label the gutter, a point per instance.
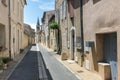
(9, 23)
(82, 33)
(81, 26)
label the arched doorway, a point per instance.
(72, 42)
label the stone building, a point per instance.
(29, 36)
(68, 17)
(52, 34)
(16, 15)
(4, 29)
(45, 21)
(42, 35)
(101, 20)
(38, 31)
(91, 27)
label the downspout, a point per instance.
(9, 23)
(82, 33)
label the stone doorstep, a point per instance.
(6, 73)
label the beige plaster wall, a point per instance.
(4, 21)
(101, 16)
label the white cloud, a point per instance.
(33, 26)
(35, 0)
(47, 6)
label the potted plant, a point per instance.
(1, 66)
(53, 25)
(6, 61)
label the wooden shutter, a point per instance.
(71, 8)
(64, 8)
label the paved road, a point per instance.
(56, 69)
(28, 67)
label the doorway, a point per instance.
(72, 44)
(110, 53)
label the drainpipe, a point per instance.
(82, 34)
(9, 23)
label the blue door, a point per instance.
(110, 53)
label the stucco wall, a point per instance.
(100, 16)
(16, 26)
(25, 42)
(4, 21)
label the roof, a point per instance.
(25, 2)
(46, 13)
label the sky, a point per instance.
(35, 9)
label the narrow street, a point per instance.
(27, 69)
(57, 70)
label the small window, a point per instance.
(64, 6)
(4, 2)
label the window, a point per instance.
(13, 5)
(61, 12)
(64, 11)
(4, 2)
(18, 10)
(56, 16)
(71, 8)
(2, 36)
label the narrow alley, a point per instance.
(28, 68)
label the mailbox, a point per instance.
(88, 45)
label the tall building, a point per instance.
(45, 22)
(67, 15)
(38, 31)
(38, 25)
(16, 15)
(4, 28)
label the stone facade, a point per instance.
(52, 34)
(17, 27)
(38, 31)
(4, 29)
(45, 22)
(100, 23)
(69, 26)
(29, 36)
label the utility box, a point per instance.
(88, 45)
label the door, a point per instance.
(110, 53)
(73, 44)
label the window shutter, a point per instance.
(71, 8)
(4, 2)
(61, 12)
(64, 8)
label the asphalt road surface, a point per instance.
(57, 70)
(28, 67)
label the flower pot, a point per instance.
(5, 66)
(1, 71)
(9, 63)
